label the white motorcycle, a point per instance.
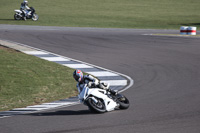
(100, 101)
(19, 14)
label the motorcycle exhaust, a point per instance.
(95, 100)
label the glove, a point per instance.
(91, 84)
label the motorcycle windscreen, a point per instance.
(83, 93)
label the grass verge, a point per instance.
(154, 14)
(27, 80)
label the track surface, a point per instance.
(164, 98)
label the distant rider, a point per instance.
(25, 8)
(91, 82)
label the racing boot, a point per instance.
(24, 16)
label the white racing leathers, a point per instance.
(91, 82)
(25, 9)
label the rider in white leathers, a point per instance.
(91, 82)
(24, 7)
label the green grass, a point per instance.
(27, 80)
(154, 14)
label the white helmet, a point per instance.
(26, 2)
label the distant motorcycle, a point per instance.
(100, 101)
(19, 15)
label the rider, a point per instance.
(25, 8)
(91, 82)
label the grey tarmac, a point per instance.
(164, 97)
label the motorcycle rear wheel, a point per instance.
(96, 107)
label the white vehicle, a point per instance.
(19, 15)
(100, 101)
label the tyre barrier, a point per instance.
(188, 30)
(192, 30)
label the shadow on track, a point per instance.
(63, 112)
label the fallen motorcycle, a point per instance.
(100, 101)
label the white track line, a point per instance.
(43, 106)
(28, 109)
(102, 73)
(1, 117)
(55, 58)
(116, 82)
(76, 66)
(35, 52)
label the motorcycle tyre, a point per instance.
(123, 104)
(35, 18)
(17, 17)
(95, 109)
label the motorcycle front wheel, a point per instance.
(98, 107)
(123, 102)
(35, 17)
(17, 17)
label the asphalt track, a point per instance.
(165, 96)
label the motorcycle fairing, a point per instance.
(109, 103)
